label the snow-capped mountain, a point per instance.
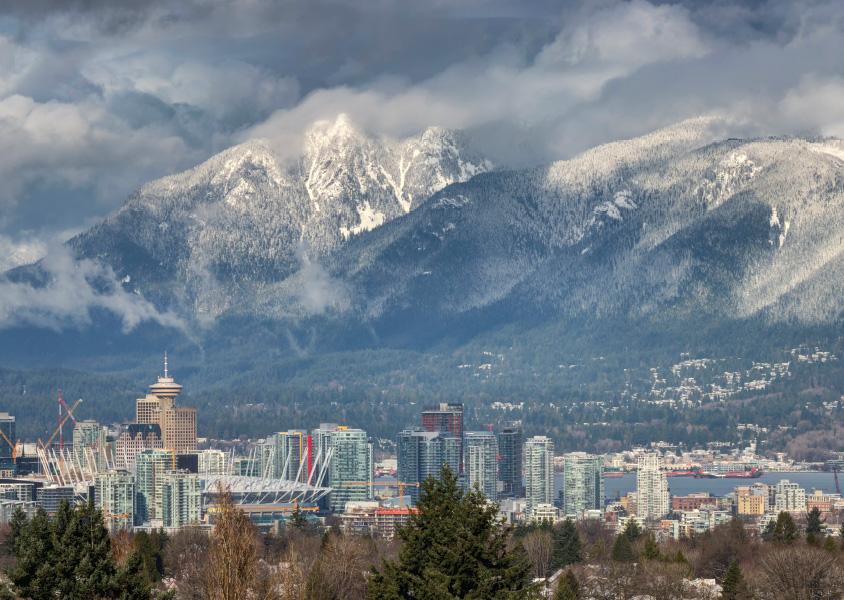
(209, 238)
(416, 241)
(670, 227)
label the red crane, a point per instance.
(62, 418)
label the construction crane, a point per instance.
(12, 445)
(62, 421)
(373, 484)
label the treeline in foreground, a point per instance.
(455, 547)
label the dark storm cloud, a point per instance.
(98, 96)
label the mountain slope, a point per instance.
(661, 228)
(209, 238)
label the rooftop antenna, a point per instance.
(165, 364)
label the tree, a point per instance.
(297, 519)
(538, 546)
(622, 550)
(733, 586)
(632, 531)
(233, 554)
(17, 524)
(768, 532)
(814, 524)
(785, 531)
(453, 547)
(34, 575)
(568, 588)
(789, 573)
(651, 550)
(567, 547)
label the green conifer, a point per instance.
(454, 547)
(568, 588)
(567, 549)
(622, 550)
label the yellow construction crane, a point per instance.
(12, 445)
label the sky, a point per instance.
(100, 96)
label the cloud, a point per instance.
(16, 253)
(71, 290)
(97, 97)
(316, 292)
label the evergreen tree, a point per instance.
(814, 524)
(133, 579)
(17, 524)
(568, 588)
(567, 548)
(651, 550)
(622, 550)
(95, 573)
(680, 558)
(785, 531)
(733, 587)
(632, 531)
(453, 547)
(768, 532)
(297, 519)
(829, 544)
(34, 573)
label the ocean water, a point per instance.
(681, 486)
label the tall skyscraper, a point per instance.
(7, 426)
(539, 471)
(510, 448)
(446, 417)
(652, 499)
(151, 467)
(422, 454)
(292, 455)
(114, 495)
(89, 444)
(583, 487)
(481, 458)
(351, 467)
(321, 452)
(181, 499)
(178, 423)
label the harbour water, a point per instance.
(615, 487)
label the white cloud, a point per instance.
(72, 290)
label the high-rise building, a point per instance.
(212, 462)
(351, 467)
(50, 497)
(446, 417)
(89, 445)
(151, 467)
(481, 458)
(114, 495)
(583, 487)
(177, 423)
(292, 455)
(321, 452)
(423, 454)
(510, 447)
(136, 437)
(789, 497)
(652, 498)
(7, 426)
(539, 472)
(181, 499)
